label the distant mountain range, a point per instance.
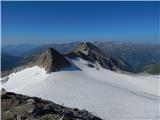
(8, 61)
(134, 54)
(137, 55)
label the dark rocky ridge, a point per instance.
(90, 52)
(20, 107)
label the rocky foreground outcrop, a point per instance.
(20, 107)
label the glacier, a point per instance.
(106, 94)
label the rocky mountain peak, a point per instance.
(51, 60)
(51, 50)
(85, 48)
(93, 54)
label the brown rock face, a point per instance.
(51, 60)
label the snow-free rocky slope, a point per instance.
(87, 84)
(20, 107)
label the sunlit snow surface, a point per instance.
(109, 95)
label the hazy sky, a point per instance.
(56, 22)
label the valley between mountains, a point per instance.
(87, 78)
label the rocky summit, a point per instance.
(50, 59)
(20, 107)
(92, 53)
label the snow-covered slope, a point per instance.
(107, 94)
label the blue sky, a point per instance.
(57, 22)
